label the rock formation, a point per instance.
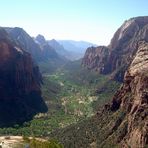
(52, 59)
(94, 58)
(120, 51)
(20, 79)
(132, 98)
(48, 52)
(60, 49)
(24, 40)
(40, 39)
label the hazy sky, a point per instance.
(90, 20)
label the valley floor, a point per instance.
(72, 94)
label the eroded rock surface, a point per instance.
(20, 94)
(121, 49)
(133, 99)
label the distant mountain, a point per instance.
(24, 40)
(20, 79)
(48, 52)
(40, 50)
(76, 48)
(59, 48)
(43, 54)
(71, 50)
(39, 39)
(52, 58)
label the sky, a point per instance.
(90, 20)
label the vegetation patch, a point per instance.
(72, 94)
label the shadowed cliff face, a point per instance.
(121, 50)
(20, 95)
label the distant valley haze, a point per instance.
(79, 20)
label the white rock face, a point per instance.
(19, 50)
(124, 27)
(140, 62)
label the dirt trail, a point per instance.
(10, 141)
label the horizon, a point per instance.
(80, 20)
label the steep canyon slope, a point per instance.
(132, 97)
(20, 79)
(117, 56)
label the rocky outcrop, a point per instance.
(60, 49)
(122, 48)
(24, 40)
(51, 58)
(40, 39)
(48, 52)
(20, 79)
(132, 97)
(94, 58)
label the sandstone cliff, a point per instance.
(119, 54)
(132, 98)
(20, 94)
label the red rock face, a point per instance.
(20, 93)
(14, 58)
(133, 99)
(121, 50)
(94, 58)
